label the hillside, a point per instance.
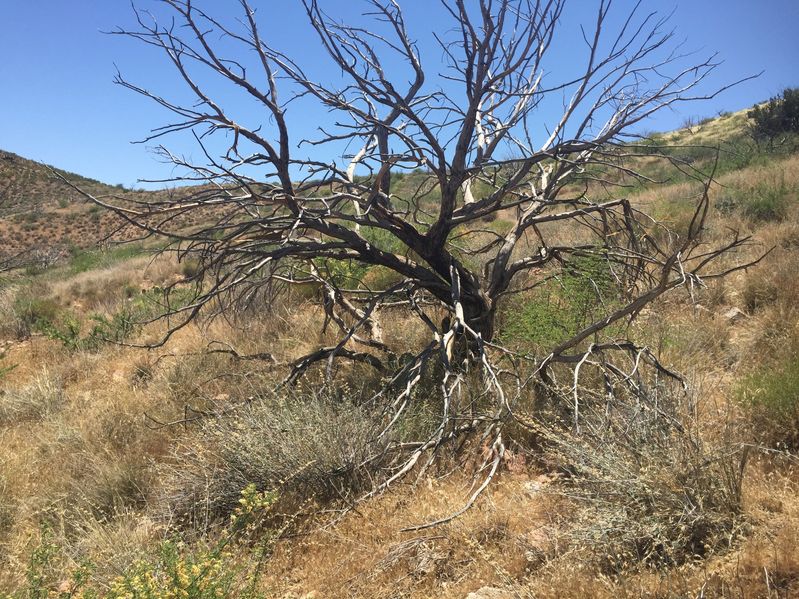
(29, 186)
(38, 212)
(42, 216)
(126, 470)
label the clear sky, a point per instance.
(58, 104)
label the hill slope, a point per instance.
(40, 212)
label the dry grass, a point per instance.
(104, 289)
(37, 400)
(711, 131)
(366, 554)
(77, 453)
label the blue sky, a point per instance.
(58, 104)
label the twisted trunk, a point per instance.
(479, 313)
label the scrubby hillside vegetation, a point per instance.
(179, 471)
(43, 221)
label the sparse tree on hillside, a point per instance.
(778, 117)
(468, 193)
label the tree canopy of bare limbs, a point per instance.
(473, 122)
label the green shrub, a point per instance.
(779, 115)
(767, 202)
(32, 311)
(177, 573)
(538, 321)
(217, 572)
(190, 268)
(115, 329)
(556, 311)
(45, 576)
(227, 568)
(68, 330)
(86, 260)
(346, 274)
(382, 239)
(771, 398)
(65, 327)
(727, 204)
(379, 278)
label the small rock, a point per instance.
(734, 315)
(538, 484)
(532, 487)
(65, 587)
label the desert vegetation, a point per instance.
(124, 468)
(429, 371)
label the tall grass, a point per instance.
(770, 396)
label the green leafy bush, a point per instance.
(767, 201)
(45, 576)
(556, 311)
(177, 573)
(64, 326)
(191, 268)
(68, 330)
(382, 239)
(779, 115)
(346, 274)
(227, 568)
(86, 260)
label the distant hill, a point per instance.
(27, 185)
(39, 212)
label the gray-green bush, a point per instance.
(648, 489)
(314, 446)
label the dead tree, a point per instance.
(474, 130)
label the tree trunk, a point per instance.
(479, 313)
